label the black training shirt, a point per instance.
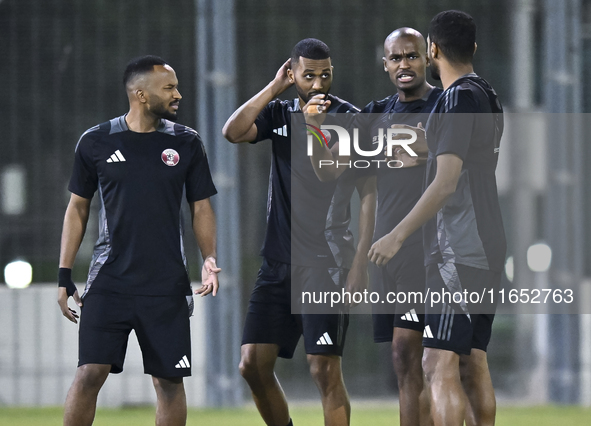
(140, 179)
(398, 190)
(467, 121)
(309, 214)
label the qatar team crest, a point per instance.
(170, 157)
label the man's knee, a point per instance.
(325, 370)
(168, 387)
(439, 364)
(92, 376)
(406, 354)
(256, 362)
(247, 367)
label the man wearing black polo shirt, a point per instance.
(142, 164)
(398, 190)
(463, 231)
(299, 246)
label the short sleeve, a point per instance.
(84, 178)
(456, 123)
(199, 183)
(264, 123)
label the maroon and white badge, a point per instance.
(170, 157)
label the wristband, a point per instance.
(64, 279)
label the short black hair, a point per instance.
(454, 32)
(140, 66)
(310, 48)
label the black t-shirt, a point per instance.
(398, 189)
(467, 121)
(140, 178)
(296, 232)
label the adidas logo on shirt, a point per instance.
(281, 131)
(324, 340)
(116, 157)
(183, 363)
(427, 333)
(410, 316)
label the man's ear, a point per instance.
(384, 61)
(141, 96)
(475, 47)
(290, 75)
(434, 50)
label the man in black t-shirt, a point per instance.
(318, 256)
(141, 164)
(464, 236)
(398, 190)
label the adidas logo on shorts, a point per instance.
(324, 340)
(427, 333)
(410, 316)
(183, 363)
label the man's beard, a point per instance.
(162, 112)
(435, 71)
(307, 96)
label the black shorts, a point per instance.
(404, 273)
(269, 318)
(161, 324)
(460, 327)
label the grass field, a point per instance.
(370, 415)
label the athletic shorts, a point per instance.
(269, 318)
(404, 273)
(460, 327)
(161, 324)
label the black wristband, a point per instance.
(64, 279)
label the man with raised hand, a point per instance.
(322, 252)
(464, 238)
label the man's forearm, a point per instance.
(204, 228)
(367, 193)
(75, 221)
(241, 121)
(432, 200)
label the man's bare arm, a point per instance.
(449, 167)
(357, 280)
(74, 228)
(204, 228)
(240, 127)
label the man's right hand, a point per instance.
(65, 290)
(281, 82)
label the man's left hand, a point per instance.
(209, 277)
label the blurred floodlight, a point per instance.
(539, 257)
(18, 274)
(509, 268)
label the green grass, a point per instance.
(370, 415)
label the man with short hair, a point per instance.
(141, 163)
(464, 239)
(398, 189)
(300, 248)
